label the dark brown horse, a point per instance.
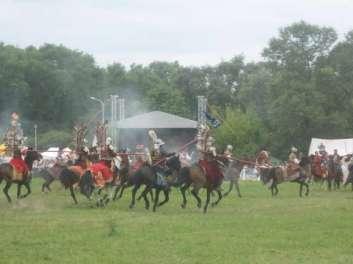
(197, 177)
(10, 176)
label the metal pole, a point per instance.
(103, 116)
(35, 137)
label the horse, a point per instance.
(231, 171)
(145, 174)
(272, 176)
(51, 174)
(82, 175)
(205, 174)
(10, 175)
(334, 174)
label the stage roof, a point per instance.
(155, 119)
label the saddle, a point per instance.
(286, 173)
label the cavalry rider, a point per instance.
(158, 157)
(19, 164)
(208, 159)
(293, 158)
(337, 160)
(293, 161)
(103, 170)
(323, 153)
(263, 159)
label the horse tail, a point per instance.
(68, 178)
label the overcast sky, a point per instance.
(194, 32)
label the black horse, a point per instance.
(152, 177)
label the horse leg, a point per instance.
(276, 188)
(231, 183)
(156, 199)
(194, 192)
(117, 189)
(207, 201)
(272, 192)
(26, 184)
(151, 193)
(166, 197)
(219, 198)
(6, 189)
(307, 188)
(141, 195)
(144, 194)
(133, 195)
(329, 184)
(300, 188)
(182, 190)
(19, 190)
(236, 183)
(73, 194)
(48, 183)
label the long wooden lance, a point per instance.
(179, 150)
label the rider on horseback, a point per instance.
(158, 157)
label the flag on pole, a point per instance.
(214, 122)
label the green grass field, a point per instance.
(49, 228)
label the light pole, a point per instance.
(102, 104)
(35, 137)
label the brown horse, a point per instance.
(197, 177)
(81, 175)
(272, 176)
(9, 174)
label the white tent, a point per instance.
(50, 154)
(343, 146)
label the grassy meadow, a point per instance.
(49, 228)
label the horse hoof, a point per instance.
(183, 206)
(131, 206)
(199, 205)
(213, 204)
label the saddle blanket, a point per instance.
(213, 173)
(101, 174)
(20, 169)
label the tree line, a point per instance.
(302, 88)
